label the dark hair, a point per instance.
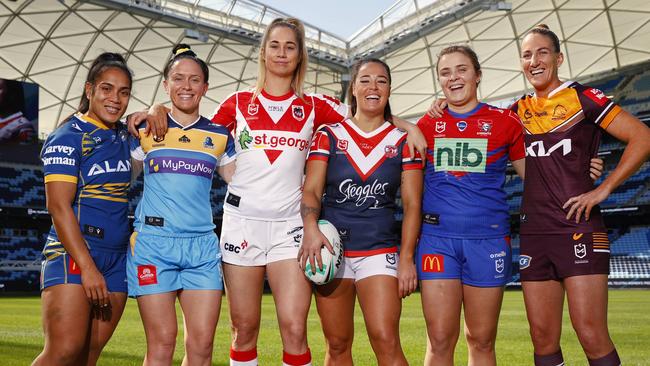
(544, 30)
(181, 51)
(104, 61)
(465, 50)
(13, 99)
(352, 100)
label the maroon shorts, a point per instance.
(557, 256)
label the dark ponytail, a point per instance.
(104, 61)
(181, 51)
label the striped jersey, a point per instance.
(178, 172)
(467, 155)
(562, 134)
(96, 159)
(363, 176)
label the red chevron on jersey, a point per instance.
(369, 150)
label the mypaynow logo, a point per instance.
(181, 166)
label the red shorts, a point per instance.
(557, 256)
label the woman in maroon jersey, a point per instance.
(564, 245)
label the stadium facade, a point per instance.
(52, 42)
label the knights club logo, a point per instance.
(298, 112)
(390, 151)
(253, 108)
(484, 126)
(580, 250)
(440, 126)
(342, 145)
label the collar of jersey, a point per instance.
(277, 98)
(557, 90)
(85, 118)
(467, 114)
(180, 125)
(362, 133)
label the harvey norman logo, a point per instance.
(461, 154)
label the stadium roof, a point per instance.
(52, 42)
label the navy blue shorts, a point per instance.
(58, 267)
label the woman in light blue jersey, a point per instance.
(174, 250)
(87, 174)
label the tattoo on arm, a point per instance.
(306, 211)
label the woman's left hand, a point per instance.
(582, 204)
(407, 278)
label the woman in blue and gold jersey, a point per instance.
(174, 250)
(562, 253)
(87, 174)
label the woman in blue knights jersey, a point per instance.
(174, 250)
(360, 163)
(87, 174)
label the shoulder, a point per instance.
(322, 98)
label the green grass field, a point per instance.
(629, 319)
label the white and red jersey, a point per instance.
(17, 128)
(272, 137)
(363, 174)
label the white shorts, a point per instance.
(358, 268)
(246, 242)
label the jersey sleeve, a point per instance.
(320, 148)
(516, 146)
(596, 106)
(409, 163)
(229, 154)
(226, 113)
(135, 147)
(328, 110)
(61, 156)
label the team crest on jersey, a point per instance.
(559, 112)
(440, 126)
(390, 151)
(462, 125)
(253, 108)
(298, 112)
(342, 145)
(208, 144)
(499, 265)
(484, 127)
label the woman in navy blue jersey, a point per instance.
(360, 163)
(87, 174)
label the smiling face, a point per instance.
(281, 52)
(371, 89)
(459, 79)
(540, 63)
(186, 85)
(108, 96)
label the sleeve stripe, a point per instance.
(318, 157)
(320, 151)
(60, 178)
(604, 112)
(607, 120)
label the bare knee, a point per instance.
(64, 354)
(244, 334)
(338, 346)
(294, 333)
(199, 346)
(594, 339)
(442, 343)
(384, 341)
(162, 344)
(483, 343)
(545, 340)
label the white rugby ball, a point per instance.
(331, 262)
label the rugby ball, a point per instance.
(331, 262)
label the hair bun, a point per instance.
(111, 57)
(543, 26)
(183, 48)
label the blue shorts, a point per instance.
(158, 264)
(476, 262)
(58, 267)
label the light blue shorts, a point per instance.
(476, 262)
(158, 264)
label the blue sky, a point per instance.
(341, 17)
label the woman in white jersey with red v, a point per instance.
(262, 230)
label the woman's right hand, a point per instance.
(312, 242)
(156, 118)
(94, 286)
(437, 108)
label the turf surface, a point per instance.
(629, 319)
